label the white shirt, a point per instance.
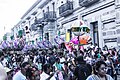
(19, 76)
(4, 62)
(44, 76)
(26, 58)
(95, 77)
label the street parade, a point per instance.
(60, 40)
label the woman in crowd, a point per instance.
(100, 70)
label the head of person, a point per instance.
(100, 68)
(25, 67)
(1, 55)
(47, 68)
(57, 60)
(71, 67)
(80, 59)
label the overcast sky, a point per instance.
(10, 13)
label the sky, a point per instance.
(11, 12)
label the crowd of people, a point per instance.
(58, 63)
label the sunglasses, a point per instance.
(104, 68)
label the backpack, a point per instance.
(83, 71)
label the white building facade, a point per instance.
(46, 18)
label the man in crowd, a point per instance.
(46, 73)
(82, 70)
(21, 74)
(3, 74)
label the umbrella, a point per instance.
(74, 40)
(79, 27)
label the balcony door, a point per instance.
(94, 29)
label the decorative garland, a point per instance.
(47, 44)
(57, 39)
(40, 44)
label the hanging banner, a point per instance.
(67, 37)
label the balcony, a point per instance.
(66, 9)
(86, 3)
(36, 24)
(38, 21)
(49, 16)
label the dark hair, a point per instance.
(1, 53)
(46, 66)
(24, 64)
(98, 64)
(79, 58)
(57, 59)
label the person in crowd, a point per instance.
(58, 65)
(21, 74)
(9, 73)
(46, 73)
(58, 68)
(100, 70)
(111, 69)
(82, 70)
(3, 74)
(70, 73)
(52, 58)
(88, 58)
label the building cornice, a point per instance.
(33, 6)
(98, 8)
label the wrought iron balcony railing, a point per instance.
(39, 21)
(66, 9)
(86, 3)
(36, 24)
(49, 16)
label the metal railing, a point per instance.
(50, 16)
(86, 3)
(66, 8)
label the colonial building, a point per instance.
(46, 18)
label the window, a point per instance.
(48, 8)
(109, 25)
(53, 4)
(43, 13)
(95, 35)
